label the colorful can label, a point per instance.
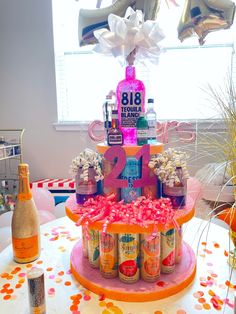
(108, 255)
(128, 251)
(178, 245)
(84, 242)
(168, 251)
(107, 167)
(93, 248)
(150, 256)
(131, 172)
(85, 189)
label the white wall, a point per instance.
(27, 88)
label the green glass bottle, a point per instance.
(142, 130)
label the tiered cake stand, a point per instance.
(166, 285)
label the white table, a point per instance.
(58, 238)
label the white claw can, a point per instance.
(108, 255)
(93, 248)
(128, 252)
(84, 242)
(150, 256)
(178, 245)
(168, 251)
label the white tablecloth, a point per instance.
(58, 238)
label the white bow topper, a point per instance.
(129, 34)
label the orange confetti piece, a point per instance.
(4, 275)
(214, 275)
(202, 300)
(49, 269)
(67, 283)
(206, 306)
(29, 265)
(204, 243)
(22, 280)
(109, 304)
(227, 283)
(87, 292)
(10, 291)
(7, 285)
(7, 297)
(102, 303)
(9, 277)
(226, 253)
(216, 245)
(61, 273)
(73, 307)
(18, 285)
(158, 312)
(203, 284)
(211, 293)
(40, 262)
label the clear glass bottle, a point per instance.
(108, 106)
(130, 95)
(25, 221)
(151, 117)
(114, 136)
(142, 130)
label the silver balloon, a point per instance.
(95, 19)
(201, 17)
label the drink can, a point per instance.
(128, 252)
(84, 242)
(93, 248)
(108, 255)
(168, 251)
(150, 256)
(85, 189)
(107, 167)
(131, 172)
(178, 245)
(36, 291)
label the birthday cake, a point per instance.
(131, 196)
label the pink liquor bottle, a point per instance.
(130, 95)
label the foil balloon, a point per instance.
(201, 17)
(96, 19)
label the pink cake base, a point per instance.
(166, 285)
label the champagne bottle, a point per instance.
(25, 222)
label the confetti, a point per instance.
(202, 300)
(61, 273)
(198, 307)
(87, 297)
(51, 276)
(216, 245)
(51, 291)
(7, 297)
(67, 283)
(206, 306)
(49, 269)
(102, 303)
(198, 294)
(181, 312)
(22, 275)
(58, 280)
